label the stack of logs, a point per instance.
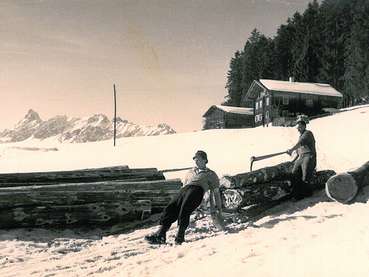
(101, 196)
(105, 196)
(253, 192)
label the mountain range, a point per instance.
(64, 129)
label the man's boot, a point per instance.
(158, 237)
(180, 235)
(302, 190)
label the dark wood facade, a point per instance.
(282, 107)
(224, 117)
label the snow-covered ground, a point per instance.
(312, 237)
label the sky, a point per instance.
(168, 58)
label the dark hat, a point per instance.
(201, 154)
(302, 118)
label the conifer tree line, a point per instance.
(327, 43)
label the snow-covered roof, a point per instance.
(231, 109)
(297, 87)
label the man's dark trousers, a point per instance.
(181, 207)
(302, 173)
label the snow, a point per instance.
(312, 237)
(237, 110)
(309, 88)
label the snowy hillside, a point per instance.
(95, 128)
(311, 237)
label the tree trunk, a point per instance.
(345, 186)
(265, 193)
(79, 176)
(163, 185)
(103, 213)
(263, 175)
(158, 198)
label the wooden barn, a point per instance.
(225, 117)
(279, 102)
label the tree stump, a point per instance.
(344, 187)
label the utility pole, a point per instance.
(115, 113)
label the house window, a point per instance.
(309, 102)
(285, 100)
(267, 115)
(267, 101)
(261, 103)
(258, 118)
(257, 105)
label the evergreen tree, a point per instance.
(337, 21)
(328, 43)
(307, 46)
(357, 58)
(234, 80)
(283, 51)
(258, 59)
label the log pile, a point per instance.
(256, 191)
(103, 196)
(344, 187)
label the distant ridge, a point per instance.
(94, 128)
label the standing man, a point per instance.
(306, 161)
(199, 180)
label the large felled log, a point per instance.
(128, 186)
(158, 192)
(32, 198)
(262, 194)
(344, 187)
(263, 175)
(78, 176)
(104, 213)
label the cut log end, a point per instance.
(341, 188)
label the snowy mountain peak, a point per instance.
(32, 115)
(98, 119)
(165, 126)
(120, 120)
(94, 128)
(31, 118)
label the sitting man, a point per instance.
(199, 180)
(305, 164)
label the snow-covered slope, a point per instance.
(312, 237)
(95, 128)
(341, 144)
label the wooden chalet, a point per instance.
(224, 117)
(279, 102)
